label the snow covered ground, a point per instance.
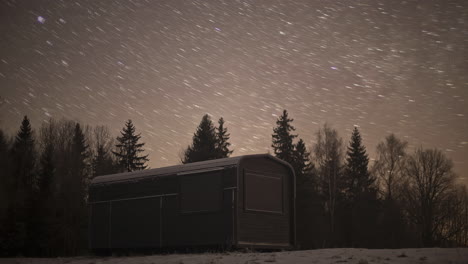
(342, 255)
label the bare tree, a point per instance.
(389, 164)
(328, 159)
(454, 230)
(102, 143)
(430, 182)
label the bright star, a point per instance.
(41, 19)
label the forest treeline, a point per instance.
(45, 175)
(402, 200)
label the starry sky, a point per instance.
(388, 66)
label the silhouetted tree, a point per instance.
(5, 177)
(204, 143)
(283, 145)
(388, 166)
(388, 169)
(72, 210)
(308, 209)
(453, 231)
(361, 204)
(301, 162)
(128, 149)
(6, 191)
(222, 143)
(358, 179)
(45, 203)
(23, 183)
(328, 161)
(430, 178)
(24, 155)
(103, 162)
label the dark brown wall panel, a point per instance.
(135, 223)
(99, 225)
(265, 227)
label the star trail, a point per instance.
(386, 66)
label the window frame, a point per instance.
(266, 175)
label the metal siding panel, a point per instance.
(200, 229)
(203, 227)
(201, 192)
(99, 226)
(135, 223)
(170, 221)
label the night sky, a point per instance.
(384, 65)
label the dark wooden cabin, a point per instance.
(245, 201)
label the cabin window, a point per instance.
(263, 192)
(200, 192)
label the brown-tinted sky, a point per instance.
(386, 66)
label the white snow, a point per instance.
(339, 255)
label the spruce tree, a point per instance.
(128, 149)
(204, 145)
(361, 206)
(282, 138)
(24, 156)
(23, 182)
(222, 144)
(358, 178)
(302, 164)
(305, 195)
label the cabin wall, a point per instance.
(158, 212)
(262, 220)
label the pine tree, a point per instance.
(302, 163)
(23, 183)
(128, 149)
(306, 212)
(358, 179)
(24, 155)
(204, 145)
(222, 144)
(361, 206)
(283, 139)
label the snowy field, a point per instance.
(346, 255)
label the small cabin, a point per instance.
(239, 202)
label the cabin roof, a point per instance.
(171, 170)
